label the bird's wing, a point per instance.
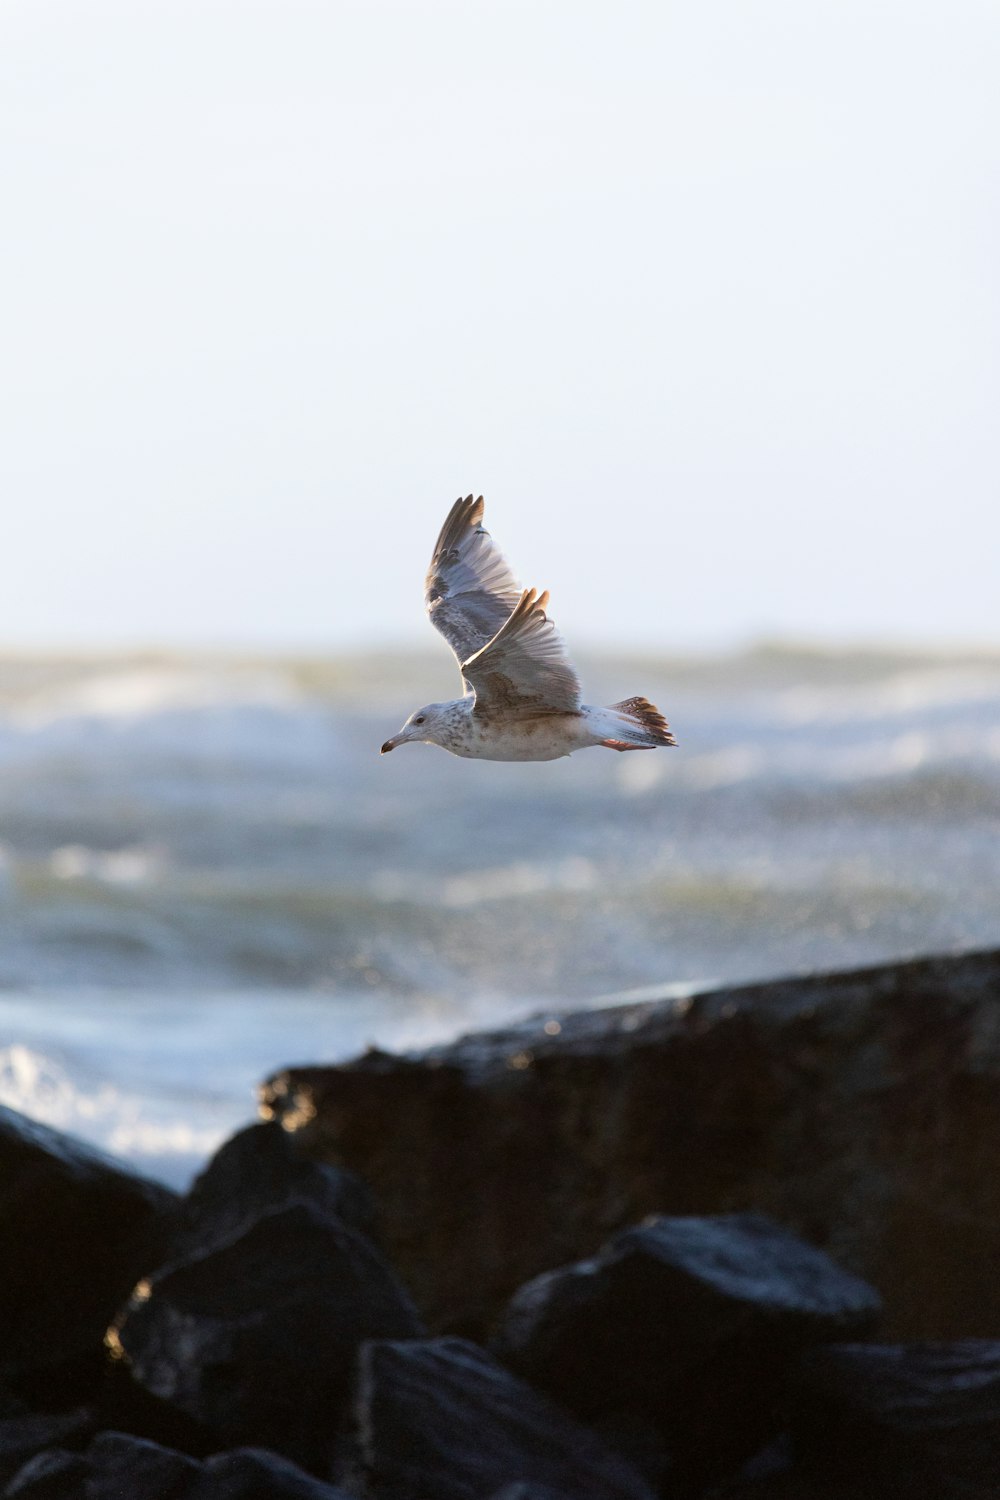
(524, 668)
(470, 591)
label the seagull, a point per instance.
(522, 694)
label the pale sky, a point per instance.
(704, 297)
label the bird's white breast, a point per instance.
(545, 737)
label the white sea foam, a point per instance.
(131, 866)
(727, 767)
(103, 1114)
(899, 694)
(236, 717)
(38, 1086)
(519, 880)
(135, 693)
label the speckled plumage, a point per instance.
(522, 696)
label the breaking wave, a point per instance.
(218, 844)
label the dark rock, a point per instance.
(691, 1324)
(861, 1109)
(257, 1338)
(798, 1486)
(76, 1230)
(773, 1475)
(920, 1420)
(118, 1466)
(54, 1475)
(122, 1465)
(21, 1437)
(256, 1474)
(124, 1405)
(775, 1461)
(259, 1170)
(522, 1491)
(440, 1418)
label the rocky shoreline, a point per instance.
(742, 1246)
(861, 1109)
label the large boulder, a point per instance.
(441, 1418)
(28, 1433)
(690, 1326)
(256, 1338)
(860, 1109)
(257, 1474)
(125, 1465)
(920, 1420)
(256, 1171)
(118, 1466)
(77, 1229)
(56, 1474)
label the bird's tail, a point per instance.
(644, 726)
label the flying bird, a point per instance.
(522, 695)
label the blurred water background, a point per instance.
(208, 871)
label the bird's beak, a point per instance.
(389, 745)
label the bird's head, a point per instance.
(424, 725)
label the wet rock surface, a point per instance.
(861, 1110)
(258, 1170)
(923, 1417)
(121, 1464)
(441, 1417)
(28, 1433)
(257, 1338)
(253, 1473)
(691, 1325)
(53, 1475)
(76, 1229)
(249, 1302)
(118, 1466)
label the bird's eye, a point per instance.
(419, 719)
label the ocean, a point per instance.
(207, 871)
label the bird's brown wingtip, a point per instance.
(465, 513)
